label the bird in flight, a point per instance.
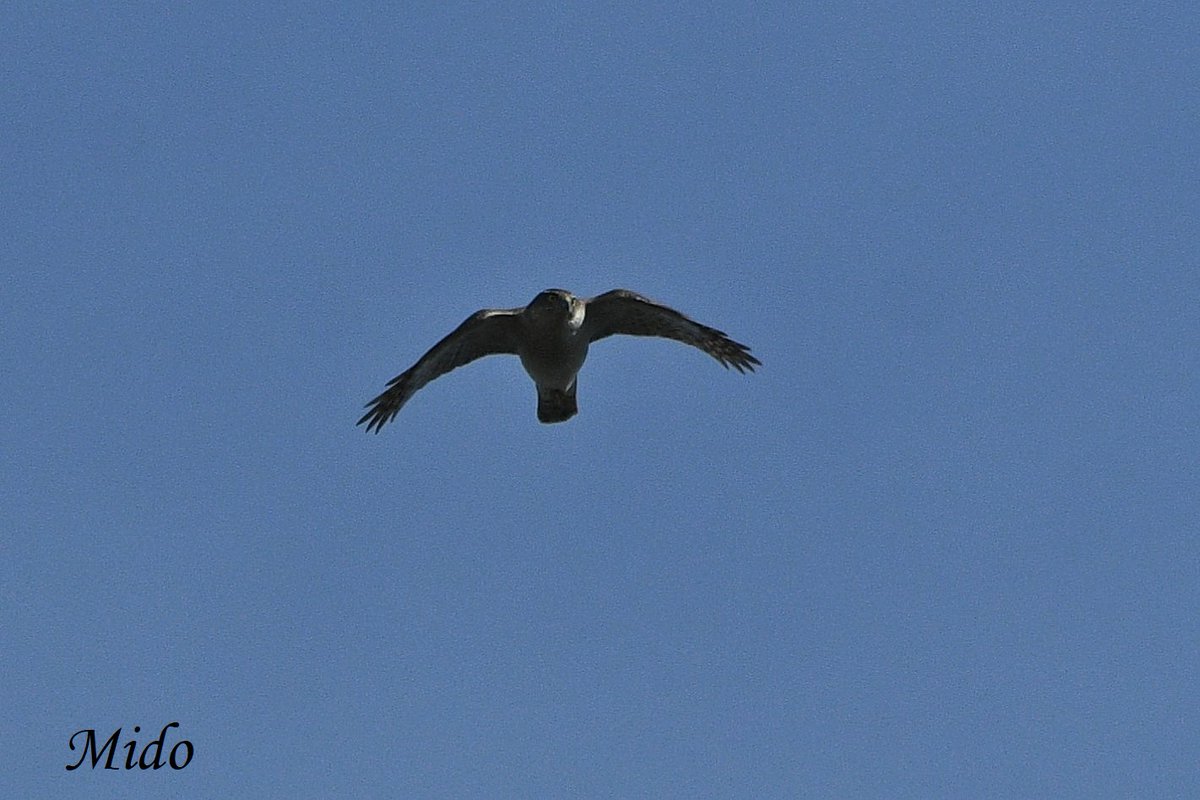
(551, 336)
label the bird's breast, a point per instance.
(554, 364)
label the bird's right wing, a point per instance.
(484, 333)
(624, 312)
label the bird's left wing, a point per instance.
(484, 333)
(623, 311)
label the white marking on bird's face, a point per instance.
(578, 309)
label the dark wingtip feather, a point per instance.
(377, 414)
(736, 355)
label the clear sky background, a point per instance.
(943, 544)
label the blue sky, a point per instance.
(943, 544)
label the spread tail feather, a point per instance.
(555, 405)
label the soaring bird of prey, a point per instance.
(551, 336)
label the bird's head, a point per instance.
(556, 306)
